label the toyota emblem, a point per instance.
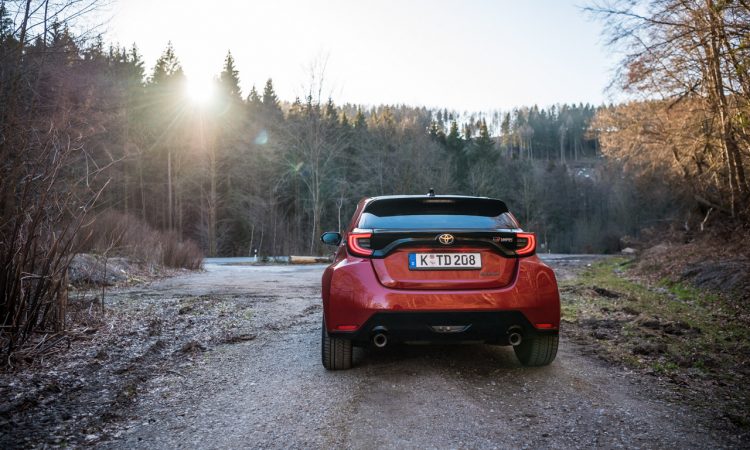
(446, 239)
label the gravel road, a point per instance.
(273, 392)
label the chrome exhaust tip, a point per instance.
(380, 340)
(515, 338)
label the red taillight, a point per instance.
(527, 248)
(544, 326)
(353, 240)
(346, 327)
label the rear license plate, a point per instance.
(445, 261)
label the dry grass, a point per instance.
(717, 259)
(113, 233)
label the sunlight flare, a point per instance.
(200, 91)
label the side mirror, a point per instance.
(331, 238)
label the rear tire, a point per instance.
(537, 351)
(336, 352)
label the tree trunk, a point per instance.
(140, 186)
(169, 189)
(736, 175)
(260, 244)
(252, 239)
(212, 203)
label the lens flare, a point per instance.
(200, 90)
(261, 138)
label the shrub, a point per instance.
(41, 211)
(178, 253)
(114, 233)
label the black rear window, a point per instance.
(437, 213)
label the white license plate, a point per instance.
(445, 261)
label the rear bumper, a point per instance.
(492, 327)
(353, 297)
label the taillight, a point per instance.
(359, 243)
(525, 244)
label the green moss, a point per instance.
(711, 330)
(686, 292)
(664, 367)
(569, 312)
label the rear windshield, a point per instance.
(437, 213)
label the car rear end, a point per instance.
(439, 269)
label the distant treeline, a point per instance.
(250, 172)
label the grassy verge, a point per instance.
(698, 340)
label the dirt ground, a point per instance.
(230, 358)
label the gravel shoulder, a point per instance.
(258, 382)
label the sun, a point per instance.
(200, 90)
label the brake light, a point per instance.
(526, 244)
(358, 243)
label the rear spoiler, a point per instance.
(444, 204)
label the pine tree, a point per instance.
(229, 79)
(330, 110)
(483, 143)
(359, 120)
(271, 106)
(269, 95)
(505, 132)
(167, 67)
(436, 132)
(453, 139)
(455, 146)
(134, 59)
(468, 134)
(6, 24)
(296, 109)
(165, 85)
(253, 97)
(96, 50)
(254, 103)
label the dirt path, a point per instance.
(273, 392)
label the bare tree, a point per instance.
(314, 142)
(692, 51)
(43, 199)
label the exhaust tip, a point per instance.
(380, 340)
(514, 338)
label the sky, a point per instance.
(470, 55)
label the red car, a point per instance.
(438, 269)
